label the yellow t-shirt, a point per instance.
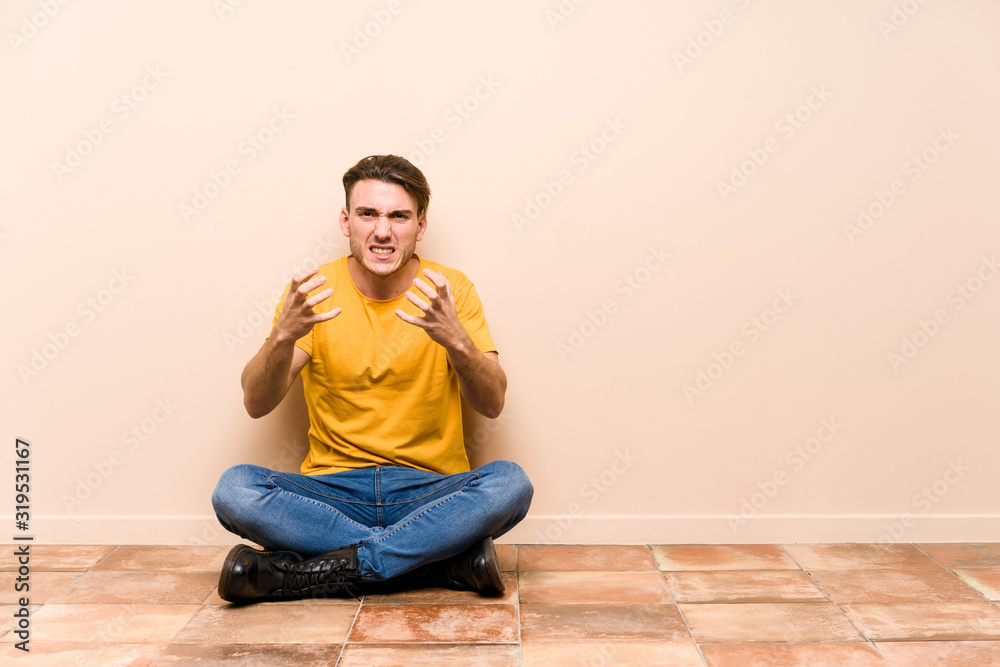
(379, 391)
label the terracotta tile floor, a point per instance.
(797, 604)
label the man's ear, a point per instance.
(344, 226)
(421, 226)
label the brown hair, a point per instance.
(389, 169)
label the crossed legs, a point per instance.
(398, 518)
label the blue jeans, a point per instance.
(400, 518)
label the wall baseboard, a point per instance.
(762, 528)
(569, 529)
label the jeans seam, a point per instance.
(472, 476)
(378, 496)
(327, 507)
(353, 501)
(423, 510)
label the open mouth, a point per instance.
(382, 252)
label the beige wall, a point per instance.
(828, 376)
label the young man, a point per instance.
(389, 345)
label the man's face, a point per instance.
(382, 225)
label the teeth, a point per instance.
(382, 251)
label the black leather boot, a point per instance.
(476, 569)
(252, 575)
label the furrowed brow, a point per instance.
(366, 209)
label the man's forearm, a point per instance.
(265, 378)
(481, 379)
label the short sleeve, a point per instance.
(470, 314)
(306, 342)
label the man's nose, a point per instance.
(382, 226)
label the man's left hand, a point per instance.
(440, 319)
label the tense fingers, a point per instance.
(318, 298)
(437, 278)
(329, 315)
(298, 316)
(304, 288)
(417, 301)
(406, 317)
(425, 288)
(302, 276)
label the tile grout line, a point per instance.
(343, 647)
(680, 613)
(63, 589)
(698, 645)
(83, 573)
(849, 619)
(517, 589)
(181, 629)
(955, 574)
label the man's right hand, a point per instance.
(297, 315)
(268, 376)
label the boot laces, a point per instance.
(325, 577)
